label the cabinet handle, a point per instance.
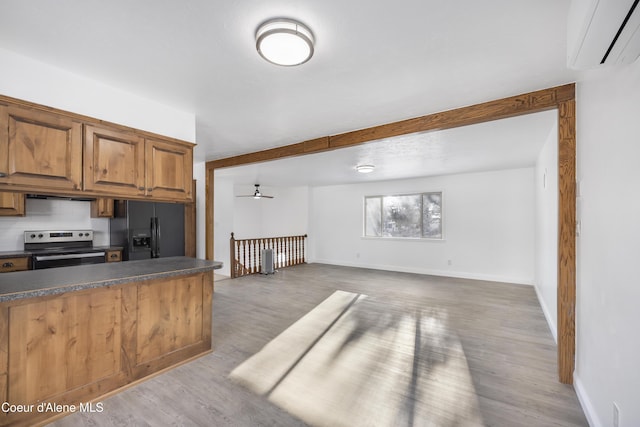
(7, 265)
(114, 255)
(3, 175)
(141, 188)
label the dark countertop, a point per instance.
(14, 254)
(51, 281)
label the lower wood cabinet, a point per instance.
(75, 347)
(15, 264)
(113, 256)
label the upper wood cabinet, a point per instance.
(102, 208)
(40, 149)
(127, 165)
(47, 151)
(169, 171)
(12, 204)
(113, 162)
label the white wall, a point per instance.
(488, 226)
(30, 80)
(608, 248)
(287, 214)
(223, 213)
(52, 215)
(546, 188)
(199, 174)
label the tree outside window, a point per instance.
(405, 216)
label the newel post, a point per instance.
(232, 256)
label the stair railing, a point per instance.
(246, 254)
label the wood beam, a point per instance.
(541, 100)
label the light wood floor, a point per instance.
(508, 347)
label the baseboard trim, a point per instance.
(443, 273)
(585, 402)
(547, 315)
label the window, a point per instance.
(408, 216)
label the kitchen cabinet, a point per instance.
(12, 204)
(78, 346)
(113, 161)
(169, 169)
(102, 208)
(113, 256)
(125, 164)
(40, 149)
(48, 151)
(14, 264)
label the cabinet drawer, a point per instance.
(113, 256)
(14, 264)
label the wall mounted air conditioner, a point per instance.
(603, 32)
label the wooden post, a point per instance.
(566, 300)
(232, 256)
(304, 242)
(254, 266)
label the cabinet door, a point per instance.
(63, 343)
(11, 204)
(169, 170)
(102, 208)
(113, 162)
(39, 149)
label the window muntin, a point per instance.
(411, 216)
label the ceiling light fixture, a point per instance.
(283, 41)
(365, 168)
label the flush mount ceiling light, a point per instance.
(283, 41)
(365, 168)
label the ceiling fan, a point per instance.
(257, 194)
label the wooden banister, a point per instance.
(246, 254)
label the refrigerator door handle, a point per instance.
(153, 238)
(157, 237)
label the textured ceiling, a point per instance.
(501, 144)
(375, 62)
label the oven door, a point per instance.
(65, 260)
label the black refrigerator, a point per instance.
(147, 229)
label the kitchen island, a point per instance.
(73, 334)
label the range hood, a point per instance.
(50, 197)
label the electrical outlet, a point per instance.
(616, 415)
(449, 262)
